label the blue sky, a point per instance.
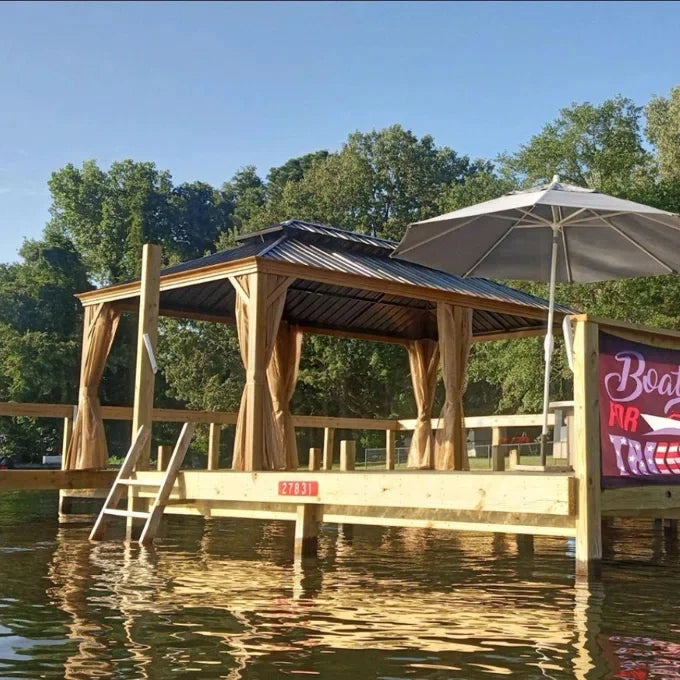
(204, 89)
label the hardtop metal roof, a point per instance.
(326, 247)
(316, 304)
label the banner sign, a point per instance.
(639, 413)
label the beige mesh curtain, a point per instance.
(423, 356)
(87, 448)
(454, 325)
(274, 290)
(282, 374)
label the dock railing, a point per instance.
(216, 420)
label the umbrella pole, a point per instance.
(549, 344)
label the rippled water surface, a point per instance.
(222, 599)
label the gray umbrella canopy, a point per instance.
(600, 237)
(557, 232)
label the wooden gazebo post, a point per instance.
(256, 372)
(142, 409)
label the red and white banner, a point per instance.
(639, 413)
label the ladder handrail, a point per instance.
(156, 511)
(116, 491)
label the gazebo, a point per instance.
(279, 283)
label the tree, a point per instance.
(597, 146)
(39, 339)
(663, 130)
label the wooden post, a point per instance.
(142, 409)
(587, 449)
(314, 459)
(214, 446)
(306, 532)
(390, 449)
(255, 372)
(348, 454)
(328, 441)
(513, 458)
(65, 502)
(164, 452)
(497, 458)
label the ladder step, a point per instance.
(126, 513)
(136, 482)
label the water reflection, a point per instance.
(223, 599)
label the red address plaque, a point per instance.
(298, 488)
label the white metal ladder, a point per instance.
(124, 481)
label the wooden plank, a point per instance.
(328, 442)
(11, 408)
(587, 448)
(542, 493)
(142, 410)
(216, 272)
(640, 499)
(169, 478)
(20, 480)
(255, 372)
(348, 453)
(639, 329)
(116, 492)
(471, 422)
(344, 423)
(314, 459)
(390, 449)
(214, 446)
(173, 415)
(514, 523)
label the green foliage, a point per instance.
(377, 182)
(588, 145)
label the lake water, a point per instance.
(222, 599)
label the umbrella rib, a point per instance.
(567, 262)
(635, 243)
(489, 251)
(436, 236)
(663, 224)
(542, 220)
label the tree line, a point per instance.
(377, 182)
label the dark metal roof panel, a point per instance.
(325, 256)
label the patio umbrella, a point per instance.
(558, 233)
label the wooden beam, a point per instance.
(184, 279)
(522, 420)
(633, 500)
(587, 448)
(606, 324)
(524, 493)
(328, 441)
(55, 479)
(375, 283)
(13, 409)
(142, 410)
(214, 446)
